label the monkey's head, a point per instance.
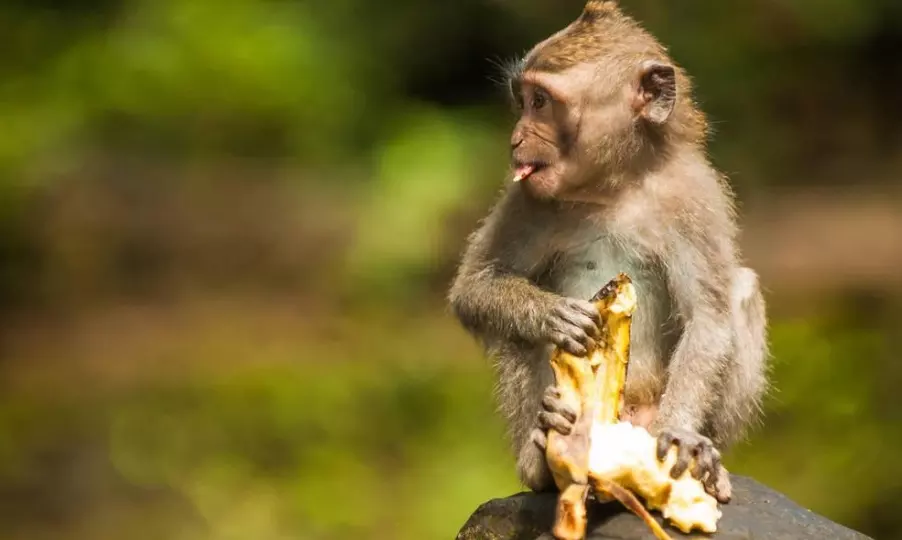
(595, 100)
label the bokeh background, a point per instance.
(227, 228)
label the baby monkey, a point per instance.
(610, 174)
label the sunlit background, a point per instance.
(227, 228)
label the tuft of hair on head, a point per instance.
(600, 25)
(596, 9)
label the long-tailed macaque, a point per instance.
(610, 174)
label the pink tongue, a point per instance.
(523, 172)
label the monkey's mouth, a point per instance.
(522, 171)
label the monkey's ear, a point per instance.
(657, 91)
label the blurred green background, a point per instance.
(227, 226)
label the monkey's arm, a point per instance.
(698, 275)
(491, 294)
(493, 300)
(495, 295)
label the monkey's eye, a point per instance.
(539, 100)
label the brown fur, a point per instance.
(625, 187)
(604, 31)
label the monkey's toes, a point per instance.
(553, 403)
(556, 421)
(538, 438)
(721, 489)
(692, 446)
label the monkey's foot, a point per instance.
(626, 455)
(539, 438)
(556, 414)
(707, 467)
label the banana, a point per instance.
(613, 459)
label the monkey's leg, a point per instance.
(532, 468)
(518, 395)
(556, 415)
(738, 393)
(745, 382)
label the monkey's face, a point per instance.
(543, 140)
(578, 125)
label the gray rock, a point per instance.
(756, 512)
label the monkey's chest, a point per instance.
(581, 272)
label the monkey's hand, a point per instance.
(571, 324)
(708, 468)
(555, 414)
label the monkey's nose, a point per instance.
(516, 143)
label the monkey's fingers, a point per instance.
(576, 316)
(577, 346)
(572, 319)
(555, 421)
(574, 323)
(555, 404)
(585, 308)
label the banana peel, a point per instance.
(613, 459)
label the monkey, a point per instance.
(610, 173)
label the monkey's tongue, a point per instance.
(523, 172)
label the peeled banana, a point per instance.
(615, 459)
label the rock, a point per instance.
(756, 512)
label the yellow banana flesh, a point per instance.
(615, 459)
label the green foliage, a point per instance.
(190, 77)
(427, 169)
(824, 416)
(388, 108)
(388, 445)
(301, 452)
